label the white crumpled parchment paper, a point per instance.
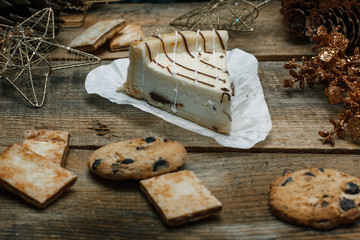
(251, 121)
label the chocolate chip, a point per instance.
(323, 221)
(160, 164)
(347, 204)
(287, 181)
(96, 164)
(351, 188)
(287, 170)
(159, 98)
(310, 174)
(140, 147)
(165, 140)
(324, 196)
(321, 169)
(324, 204)
(115, 168)
(150, 139)
(127, 161)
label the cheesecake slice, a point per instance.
(184, 73)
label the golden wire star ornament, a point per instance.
(29, 54)
(234, 15)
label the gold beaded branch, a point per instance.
(340, 72)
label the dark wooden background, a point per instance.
(95, 208)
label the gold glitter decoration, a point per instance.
(354, 127)
(333, 67)
(235, 15)
(29, 54)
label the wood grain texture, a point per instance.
(269, 41)
(96, 208)
(93, 121)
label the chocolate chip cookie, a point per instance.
(137, 158)
(316, 197)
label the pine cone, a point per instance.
(345, 17)
(295, 13)
(302, 18)
(16, 11)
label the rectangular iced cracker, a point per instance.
(51, 144)
(180, 197)
(121, 41)
(97, 34)
(32, 177)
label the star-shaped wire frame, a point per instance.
(234, 15)
(29, 54)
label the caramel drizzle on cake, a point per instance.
(198, 53)
(227, 115)
(180, 65)
(182, 75)
(220, 39)
(186, 46)
(222, 96)
(187, 49)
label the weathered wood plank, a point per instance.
(95, 207)
(269, 41)
(297, 115)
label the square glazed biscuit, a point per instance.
(180, 197)
(121, 41)
(51, 144)
(32, 177)
(97, 34)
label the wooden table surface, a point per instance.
(95, 208)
